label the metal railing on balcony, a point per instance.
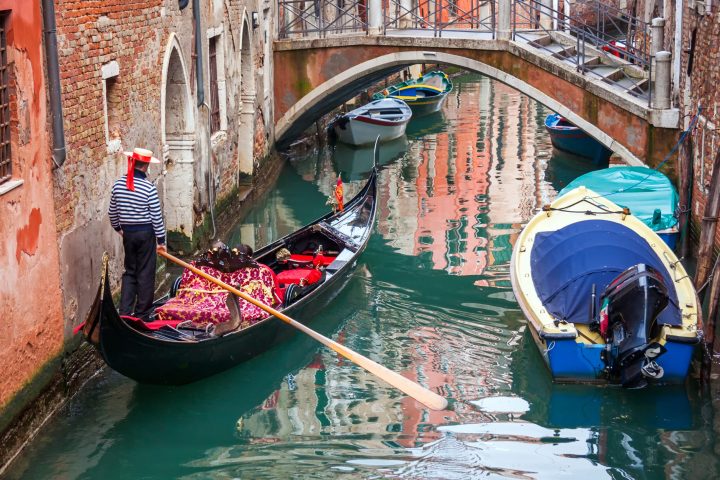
(440, 16)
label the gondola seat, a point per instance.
(298, 276)
(319, 260)
(200, 301)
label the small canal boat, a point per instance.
(649, 195)
(567, 137)
(311, 265)
(605, 298)
(423, 95)
(386, 118)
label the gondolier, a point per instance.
(136, 215)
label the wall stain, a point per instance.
(27, 236)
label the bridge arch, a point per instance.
(347, 83)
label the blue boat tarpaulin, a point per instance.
(567, 262)
(640, 189)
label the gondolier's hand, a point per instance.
(161, 248)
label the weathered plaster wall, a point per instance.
(299, 71)
(30, 297)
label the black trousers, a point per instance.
(138, 281)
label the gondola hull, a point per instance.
(146, 360)
(147, 357)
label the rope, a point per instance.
(667, 157)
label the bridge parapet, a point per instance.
(568, 62)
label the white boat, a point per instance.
(385, 118)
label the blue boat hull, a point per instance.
(573, 362)
(573, 140)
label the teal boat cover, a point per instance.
(641, 189)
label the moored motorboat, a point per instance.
(423, 95)
(321, 256)
(649, 195)
(386, 118)
(567, 137)
(605, 298)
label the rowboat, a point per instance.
(424, 95)
(649, 195)
(605, 298)
(386, 119)
(567, 137)
(176, 352)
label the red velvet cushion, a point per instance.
(317, 260)
(296, 275)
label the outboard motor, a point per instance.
(628, 322)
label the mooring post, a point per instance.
(661, 95)
(503, 25)
(375, 17)
(708, 228)
(685, 173)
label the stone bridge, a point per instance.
(622, 99)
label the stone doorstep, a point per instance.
(67, 380)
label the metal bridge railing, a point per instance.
(631, 68)
(320, 18)
(440, 16)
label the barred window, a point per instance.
(5, 154)
(214, 93)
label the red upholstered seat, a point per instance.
(316, 260)
(298, 275)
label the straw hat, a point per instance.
(142, 155)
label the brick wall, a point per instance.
(700, 89)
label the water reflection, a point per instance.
(355, 163)
(431, 299)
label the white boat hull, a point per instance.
(363, 131)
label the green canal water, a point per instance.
(430, 298)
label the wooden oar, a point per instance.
(421, 394)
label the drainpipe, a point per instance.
(677, 48)
(198, 54)
(51, 56)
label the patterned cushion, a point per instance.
(200, 300)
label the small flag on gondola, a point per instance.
(339, 194)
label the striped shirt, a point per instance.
(136, 210)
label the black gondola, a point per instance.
(177, 356)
